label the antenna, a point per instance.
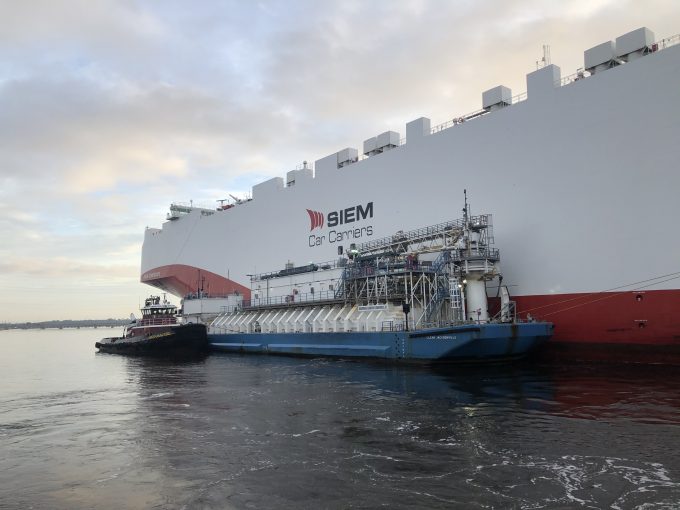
(465, 209)
(545, 60)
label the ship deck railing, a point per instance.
(209, 295)
(390, 326)
(580, 74)
(387, 268)
(156, 321)
(396, 326)
(403, 239)
(325, 297)
(461, 323)
(357, 273)
(320, 266)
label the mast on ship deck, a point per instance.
(427, 268)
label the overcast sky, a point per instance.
(112, 109)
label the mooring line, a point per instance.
(673, 276)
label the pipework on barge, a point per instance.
(419, 295)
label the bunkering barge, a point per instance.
(416, 296)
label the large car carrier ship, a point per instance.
(581, 173)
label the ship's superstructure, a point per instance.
(580, 172)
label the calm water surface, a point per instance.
(83, 430)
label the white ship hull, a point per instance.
(582, 180)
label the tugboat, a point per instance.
(157, 333)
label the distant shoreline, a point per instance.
(65, 324)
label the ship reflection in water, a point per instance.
(287, 433)
(232, 431)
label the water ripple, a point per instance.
(261, 432)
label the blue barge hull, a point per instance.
(479, 342)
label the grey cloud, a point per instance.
(55, 27)
(56, 268)
(111, 109)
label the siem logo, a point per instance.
(340, 217)
(316, 219)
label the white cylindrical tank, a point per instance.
(475, 293)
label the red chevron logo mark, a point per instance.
(316, 219)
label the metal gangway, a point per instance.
(439, 235)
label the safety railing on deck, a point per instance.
(582, 74)
(157, 321)
(666, 42)
(477, 113)
(294, 299)
(294, 271)
(392, 326)
(578, 75)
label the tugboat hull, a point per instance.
(176, 340)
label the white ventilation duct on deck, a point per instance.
(634, 44)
